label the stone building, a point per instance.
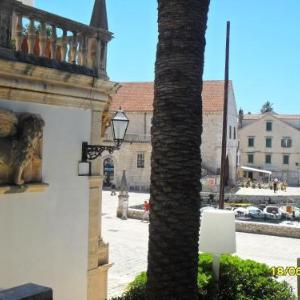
(54, 91)
(136, 99)
(271, 141)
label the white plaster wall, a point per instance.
(44, 236)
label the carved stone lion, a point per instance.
(17, 150)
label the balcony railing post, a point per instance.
(82, 55)
(91, 53)
(73, 49)
(43, 39)
(53, 39)
(31, 36)
(64, 46)
(19, 32)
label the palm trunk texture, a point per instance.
(176, 159)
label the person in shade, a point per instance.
(146, 211)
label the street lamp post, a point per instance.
(90, 152)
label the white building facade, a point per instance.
(271, 142)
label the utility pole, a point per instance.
(225, 111)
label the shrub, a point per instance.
(136, 290)
(246, 279)
(205, 279)
(239, 280)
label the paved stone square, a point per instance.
(128, 241)
(290, 191)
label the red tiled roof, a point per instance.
(138, 96)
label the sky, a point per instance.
(264, 53)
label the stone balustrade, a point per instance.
(39, 34)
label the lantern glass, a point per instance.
(119, 125)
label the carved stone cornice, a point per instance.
(30, 83)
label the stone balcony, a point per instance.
(34, 36)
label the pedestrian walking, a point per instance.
(275, 183)
(285, 185)
(146, 211)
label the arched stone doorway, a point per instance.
(108, 171)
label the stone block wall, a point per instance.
(268, 229)
(138, 179)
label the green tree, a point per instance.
(267, 107)
(176, 161)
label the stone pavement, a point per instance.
(128, 241)
(291, 191)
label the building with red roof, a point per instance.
(136, 99)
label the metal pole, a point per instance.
(225, 110)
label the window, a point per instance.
(250, 141)
(269, 126)
(268, 142)
(234, 133)
(250, 158)
(229, 132)
(140, 162)
(286, 142)
(268, 159)
(286, 159)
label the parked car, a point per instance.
(240, 212)
(272, 212)
(255, 213)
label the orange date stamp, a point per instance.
(285, 271)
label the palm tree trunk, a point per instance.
(176, 162)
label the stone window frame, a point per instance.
(286, 142)
(253, 144)
(268, 161)
(268, 138)
(230, 131)
(286, 159)
(140, 160)
(250, 161)
(269, 126)
(234, 133)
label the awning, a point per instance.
(256, 170)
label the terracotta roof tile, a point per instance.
(138, 96)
